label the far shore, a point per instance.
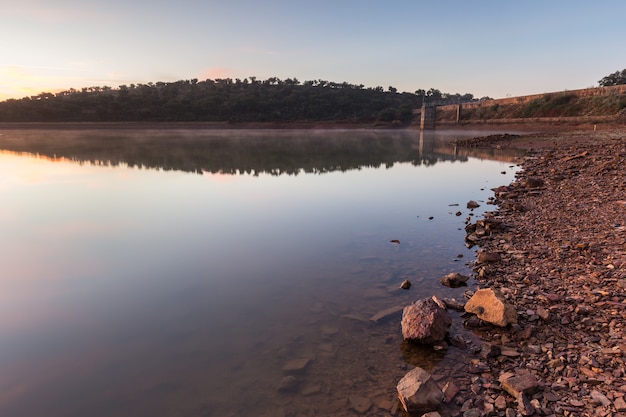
(517, 127)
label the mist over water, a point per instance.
(151, 272)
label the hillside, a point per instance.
(594, 105)
(226, 100)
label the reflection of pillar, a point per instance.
(428, 117)
(421, 144)
(458, 113)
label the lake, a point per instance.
(225, 272)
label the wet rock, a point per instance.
(406, 284)
(425, 321)
(359, 404)
(473, 412)
(296, 365)
(288, 383)
(472, 204)
(454, 280)
(490, 305)
(418, 391)
(396, 241)
(450, 390)
(453, 304)
(386, 314)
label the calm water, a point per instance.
(176, 273)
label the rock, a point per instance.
(396, 241)
(417, 392)
(425, 321)
(488, 256)
(600, 399)
(490, 305)
(543, 313)
(472, 204)
(286, 384)
(620, 404)
(520, 384)
(500, 402)
(454, 280)
(359, 404)
(450, 390)
(406, 284)
(453, 304)
(524, 406)
(296, 365)
(386, 314)
(473, 412)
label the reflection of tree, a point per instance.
(235, 151)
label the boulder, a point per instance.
(472, 204)
(418, 392)
(454, 280)
(490, 305)
(425, 321)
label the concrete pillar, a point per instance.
(428, 117)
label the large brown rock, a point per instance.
(490, 305)
(418, 392)
(425, 321)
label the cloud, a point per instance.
(218, 72)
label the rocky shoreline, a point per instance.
(561, 246)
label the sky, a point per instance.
(487, 48)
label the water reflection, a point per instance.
(143, 292)
(245, 151)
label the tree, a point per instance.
(617, 78)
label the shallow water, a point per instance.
(175, 273)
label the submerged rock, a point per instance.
(406, 284)
(454, 280)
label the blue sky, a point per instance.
(487, 48)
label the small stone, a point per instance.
(598, 398)
(472, 204)
(359, 404)
(288, 383)
(449, 391)
(620, 404)
(521, 384)
(296, 365)
(489, 257)
(543, 313)
(454, 280)
(524, 406)
(406, 284)
(432, 414)
(500, 402)
(473, 412)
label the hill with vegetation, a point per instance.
(226, 100)
(593, 105)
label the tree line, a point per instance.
(616, 78)
(226, 100)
